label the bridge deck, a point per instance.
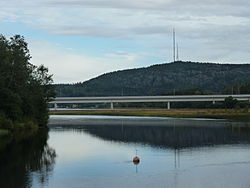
(176, 98)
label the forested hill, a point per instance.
(161, 79)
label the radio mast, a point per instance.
(174, 44)
(177, 52)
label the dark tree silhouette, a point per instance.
(25, 89)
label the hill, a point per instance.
(161, 79)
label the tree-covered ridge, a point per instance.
(161, 79)
(25, 89)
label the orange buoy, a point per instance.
(136, 160)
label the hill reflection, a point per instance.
(166, 136)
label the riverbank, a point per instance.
(9, 129)
(15, 127)
(4, 132)
(17, 134)
(235, 114)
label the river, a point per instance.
(97, 151)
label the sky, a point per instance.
(81, 39)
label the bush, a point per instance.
(3, 133)
(5, 123)
(230, 102)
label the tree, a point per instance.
(25, 89)
(230, 102)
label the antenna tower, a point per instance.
(177, 48)
(174, 44)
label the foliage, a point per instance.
(194, 91)
(3, 132)
(230, 102)
(239, 88)
(168, 78)
(25, 89)
(5, 123)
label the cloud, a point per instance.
(161, 5)
(124, 55)
(207, 30)
(127, 19)
(91, 31)
(69, 67)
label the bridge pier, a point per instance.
(168, 105)
(112, 105)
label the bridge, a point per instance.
(132, 99)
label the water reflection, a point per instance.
(175, 137)
(26, 160)
(173, 153)
(98, 152)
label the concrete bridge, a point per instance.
(131, 99)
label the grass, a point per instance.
(239, 114)
(8, 127)
(17, 131)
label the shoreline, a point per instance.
(4, 132)
(229, 114)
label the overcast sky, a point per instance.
(80, 39)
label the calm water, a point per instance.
(97, 151)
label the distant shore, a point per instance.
(234, 114)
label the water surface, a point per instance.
(90, 151)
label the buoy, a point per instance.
(136, 160)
